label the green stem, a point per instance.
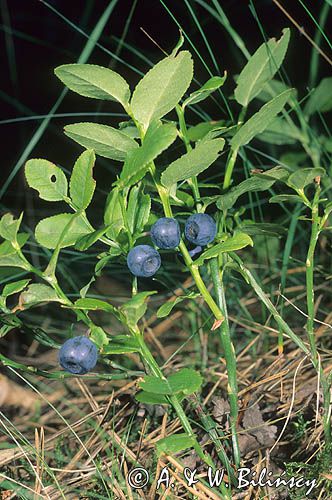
(156, 371)
(184, 136)
(229, 168)
(268, 304)
(315, 231)
(229, 352)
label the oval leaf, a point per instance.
(192, 163)
(82, 184)
(158, 138)
(104, 140)
(260, 120)
(236, 242)
(49, 231)
(159, 91)
(261, 68)
(94, 81)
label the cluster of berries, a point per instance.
(79, 355)
(144, 260)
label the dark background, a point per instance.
(34, 40)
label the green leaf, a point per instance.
(261, 68)
(151, 399)
(166, 308)
(321, 98)
(135, 308)
(8, 254)
(157, 139)
(210, 86)
(15, 287)
(260, 120)
(186, 381)
(88, 240)
(113, 216)
(175, 443)
(291, 198)
(94, 81)
(258, 182)
(272, 88)
(236, 242)
(155, 385)
(99, 337)
(48, 179)
(121, 344)
(82, 184)
(9, 227)
(263, 228)
(138, 210)
(280, 132)
(87, 304)
(192, 163)
(62, 228)
(37, 294)
(197, 132)
(159, 91)
(304, 176)
(104, 140)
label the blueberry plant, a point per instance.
(172, 193)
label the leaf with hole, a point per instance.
(261, 67)
(193, 163)
(159, 91)
(104, 140)
(46, 178)
(94, 81)
(82, 184)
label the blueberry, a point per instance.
(143, 261)
(78, 355)
(165, 233)
(200, 229)
(195, 251)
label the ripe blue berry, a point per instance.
(200, 229)
(143, 261)
(165, 233)
(195, 251)
(78, 355)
